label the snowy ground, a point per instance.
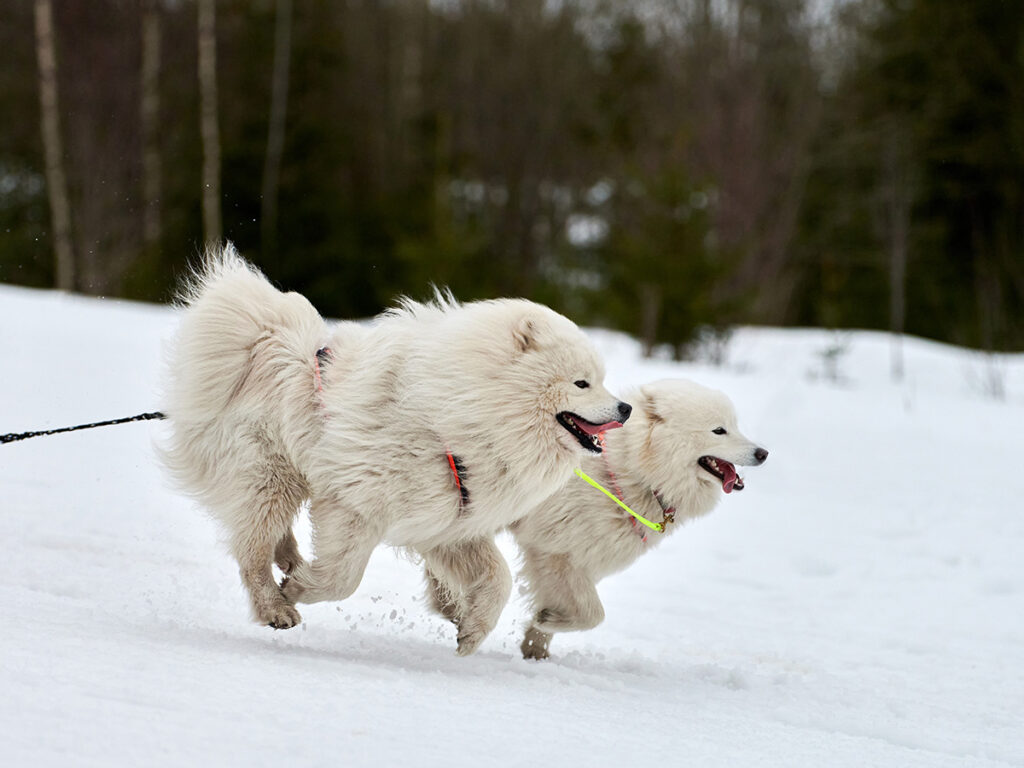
(860, 603)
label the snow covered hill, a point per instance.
(861, 603)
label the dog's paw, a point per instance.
(547, 622)
(281, 617)
(287, 556)
(289, 564)
(534, 653)
(535, 644)
(550, 617)
(468, 642)
(276, 610)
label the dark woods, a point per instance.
(668, 167)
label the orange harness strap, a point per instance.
(458, 470)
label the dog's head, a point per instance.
(555, 361)
(693, 434)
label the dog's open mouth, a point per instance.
(724, 471)
(586, 432)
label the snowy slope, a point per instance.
(860, 603)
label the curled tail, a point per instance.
(239, 338)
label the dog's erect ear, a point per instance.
(649, 406)
(525, 332)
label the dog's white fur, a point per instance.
(579, 536)
(252, 435)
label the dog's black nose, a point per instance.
(760, 455)
(624, 410)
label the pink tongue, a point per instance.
(596, 429)
(728, 477)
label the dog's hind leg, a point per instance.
(344, 542)
(475, 584)
(565, 598)
(254, 547)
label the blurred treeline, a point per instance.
(664, 167)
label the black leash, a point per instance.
(13, 437)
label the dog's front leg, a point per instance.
(477, 582)
(565, 597)
(344, 542)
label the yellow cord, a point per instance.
(653, 526)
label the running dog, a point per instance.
(430, 428)
(670, 464)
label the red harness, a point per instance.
(323, 355)
(458, 470)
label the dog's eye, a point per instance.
(719, 430)
(582, 383)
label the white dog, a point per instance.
(431, 429)
(672, 461)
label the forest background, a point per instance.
(671, 168)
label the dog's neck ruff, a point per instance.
(668, 513)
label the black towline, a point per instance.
(12, 437)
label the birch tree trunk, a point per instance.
(897, 198)
(56, 182)
(275, 132)
(208, 120)
(150, 121)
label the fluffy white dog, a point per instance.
(672, 461)
(431, 428)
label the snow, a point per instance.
(860, 603)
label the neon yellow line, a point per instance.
(653, 526)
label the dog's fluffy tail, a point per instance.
(239, 338)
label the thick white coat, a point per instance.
(258, 426)
(579, 536)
